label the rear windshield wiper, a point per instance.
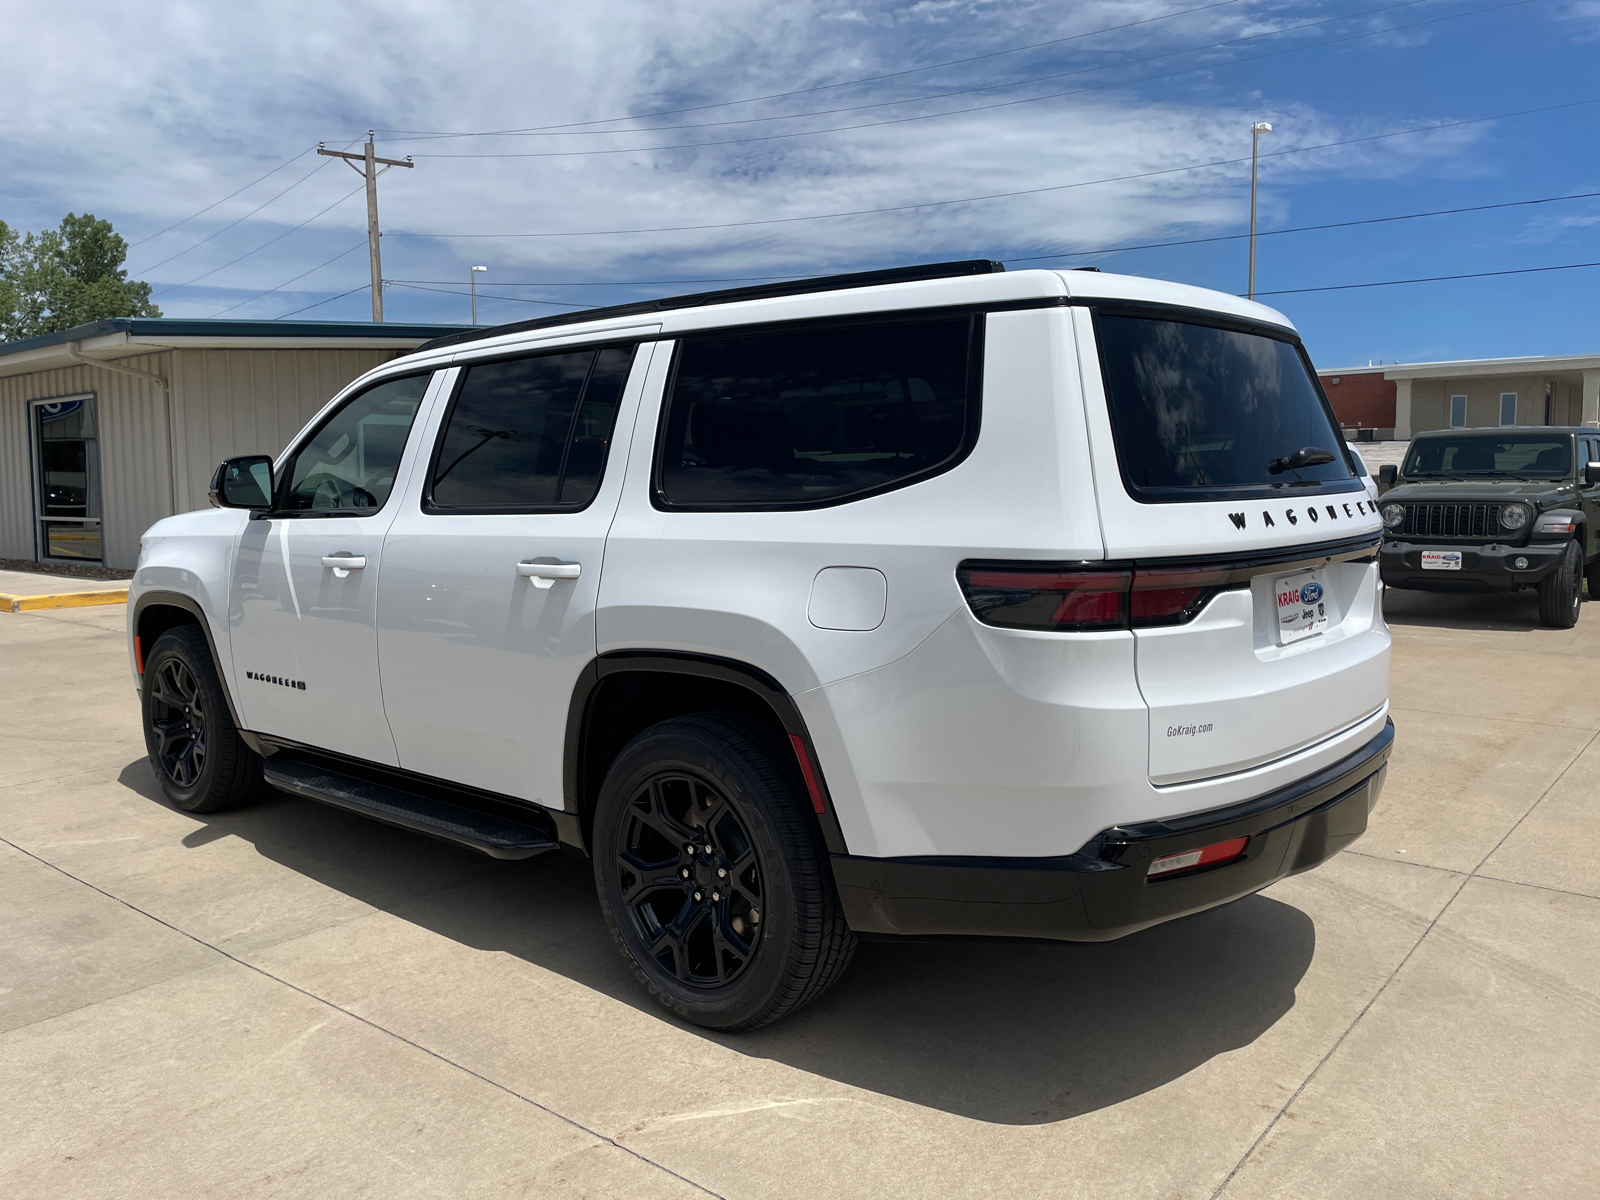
(1306, 456)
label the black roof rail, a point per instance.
(762, 291)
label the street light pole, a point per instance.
(1256, 131)
(475, 271)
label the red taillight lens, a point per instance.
(1218, 852)
(1050, 599)
(1172, 595)
(1072, 599)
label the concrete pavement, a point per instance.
(287, 1000)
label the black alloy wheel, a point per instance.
(199, 758)
(1561, 591)
(712, 875)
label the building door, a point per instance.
(67, 479)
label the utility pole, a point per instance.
(369, 168)
(1256, 131)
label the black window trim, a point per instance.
(282, 476)
(975, 315)
(426, 501)
(1196, 316)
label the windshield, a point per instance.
(1202, 413)
(1524, 456)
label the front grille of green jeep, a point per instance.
(1450, 520)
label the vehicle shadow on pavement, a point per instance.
(1015, 1033)
(1516, 612)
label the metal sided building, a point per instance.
(108, 427)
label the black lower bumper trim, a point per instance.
(1104, 891)
(1490, 568)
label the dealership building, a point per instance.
(1396, 400)
(108, 427)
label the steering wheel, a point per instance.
(333, 492)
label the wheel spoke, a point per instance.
(663, 822)
(647, 877)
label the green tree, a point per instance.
(65, 277)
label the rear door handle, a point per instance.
(345, 562)
(545, 574)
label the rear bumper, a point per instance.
(1103, 891)
(1488, 568)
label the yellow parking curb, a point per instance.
(15, 604)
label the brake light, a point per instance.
(1091, 597)
(1204, 857)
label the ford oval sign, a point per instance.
(1310, 593)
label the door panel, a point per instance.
(303, 627)
(483, 629)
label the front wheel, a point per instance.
(710, 877)
(1561, 592)
(194, 746)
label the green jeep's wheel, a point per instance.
(1561, 591)
(710, 877)
(1592, 577)
(194, 746)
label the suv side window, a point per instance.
(350, 463)
(802, 418)
(529, 433)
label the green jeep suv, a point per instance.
(1497, 510)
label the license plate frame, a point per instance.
(1441, 560)
(1297, 614)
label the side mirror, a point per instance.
(1386, 476)
(243, 482)
(1591, 474)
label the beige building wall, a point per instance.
(1430, 401)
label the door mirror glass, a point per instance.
(1386, 475)
(1591, 473)
(243, 482)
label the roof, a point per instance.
(122, 337)
(1460, 368)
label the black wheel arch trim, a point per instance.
(162, 599)
(704, 666)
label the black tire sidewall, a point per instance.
(180, 644)
(676, 749)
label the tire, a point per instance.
(200, 760)
(1561, 592)
(1592, 578)
(730, 951)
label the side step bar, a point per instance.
(498, 837)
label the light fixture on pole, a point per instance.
(475, 271)
(1256, 131)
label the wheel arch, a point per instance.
(623, 693)
(155, 612)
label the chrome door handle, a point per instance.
(345, 562)
(545, 574)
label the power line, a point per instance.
(1234, 237)
(417, 287)
(296, 279)
(1221, 162)
(1343, 287)
(224, 200)
(987, 107)
(363, 287)
(424, 135)
(261, 247)
(622, 282)
(988, 87)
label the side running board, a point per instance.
(498, 837)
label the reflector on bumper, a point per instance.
(1204, 857)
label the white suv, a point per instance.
(940, 601)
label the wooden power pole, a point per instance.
(369, 167)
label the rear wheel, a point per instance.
(1561, 592)
(710, 877)
(1592, 577)
(194, 746)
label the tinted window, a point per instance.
(351, 461)
(532, 432)
(1198, 412)
(1528, 456)
(801, 417)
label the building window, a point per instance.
(1458, 412)
(67, 454)
(1508, 408)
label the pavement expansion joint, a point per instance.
(371, 1024)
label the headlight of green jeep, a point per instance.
(1513, 516)
(1394, 516)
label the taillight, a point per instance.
(1076, 599)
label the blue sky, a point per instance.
(184, 106)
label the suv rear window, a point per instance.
(801, 418)
(1528, 456)
(1200, 412)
